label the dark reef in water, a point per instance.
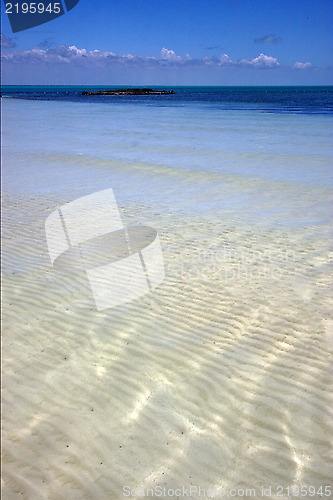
(130, 92)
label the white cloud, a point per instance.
(169, 55)
(264, 61)
(61, 54)
(224, 59)
(82, 56)
(78, 52)
(209, 60)
(98, 53)
(300, 65)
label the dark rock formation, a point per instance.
(129, 92)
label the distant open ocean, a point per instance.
(221, 377)
(318, 100)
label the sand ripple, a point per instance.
(220, 378)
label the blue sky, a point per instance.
(183, 42)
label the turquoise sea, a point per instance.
(219, 378)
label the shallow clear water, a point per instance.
(221, 376)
